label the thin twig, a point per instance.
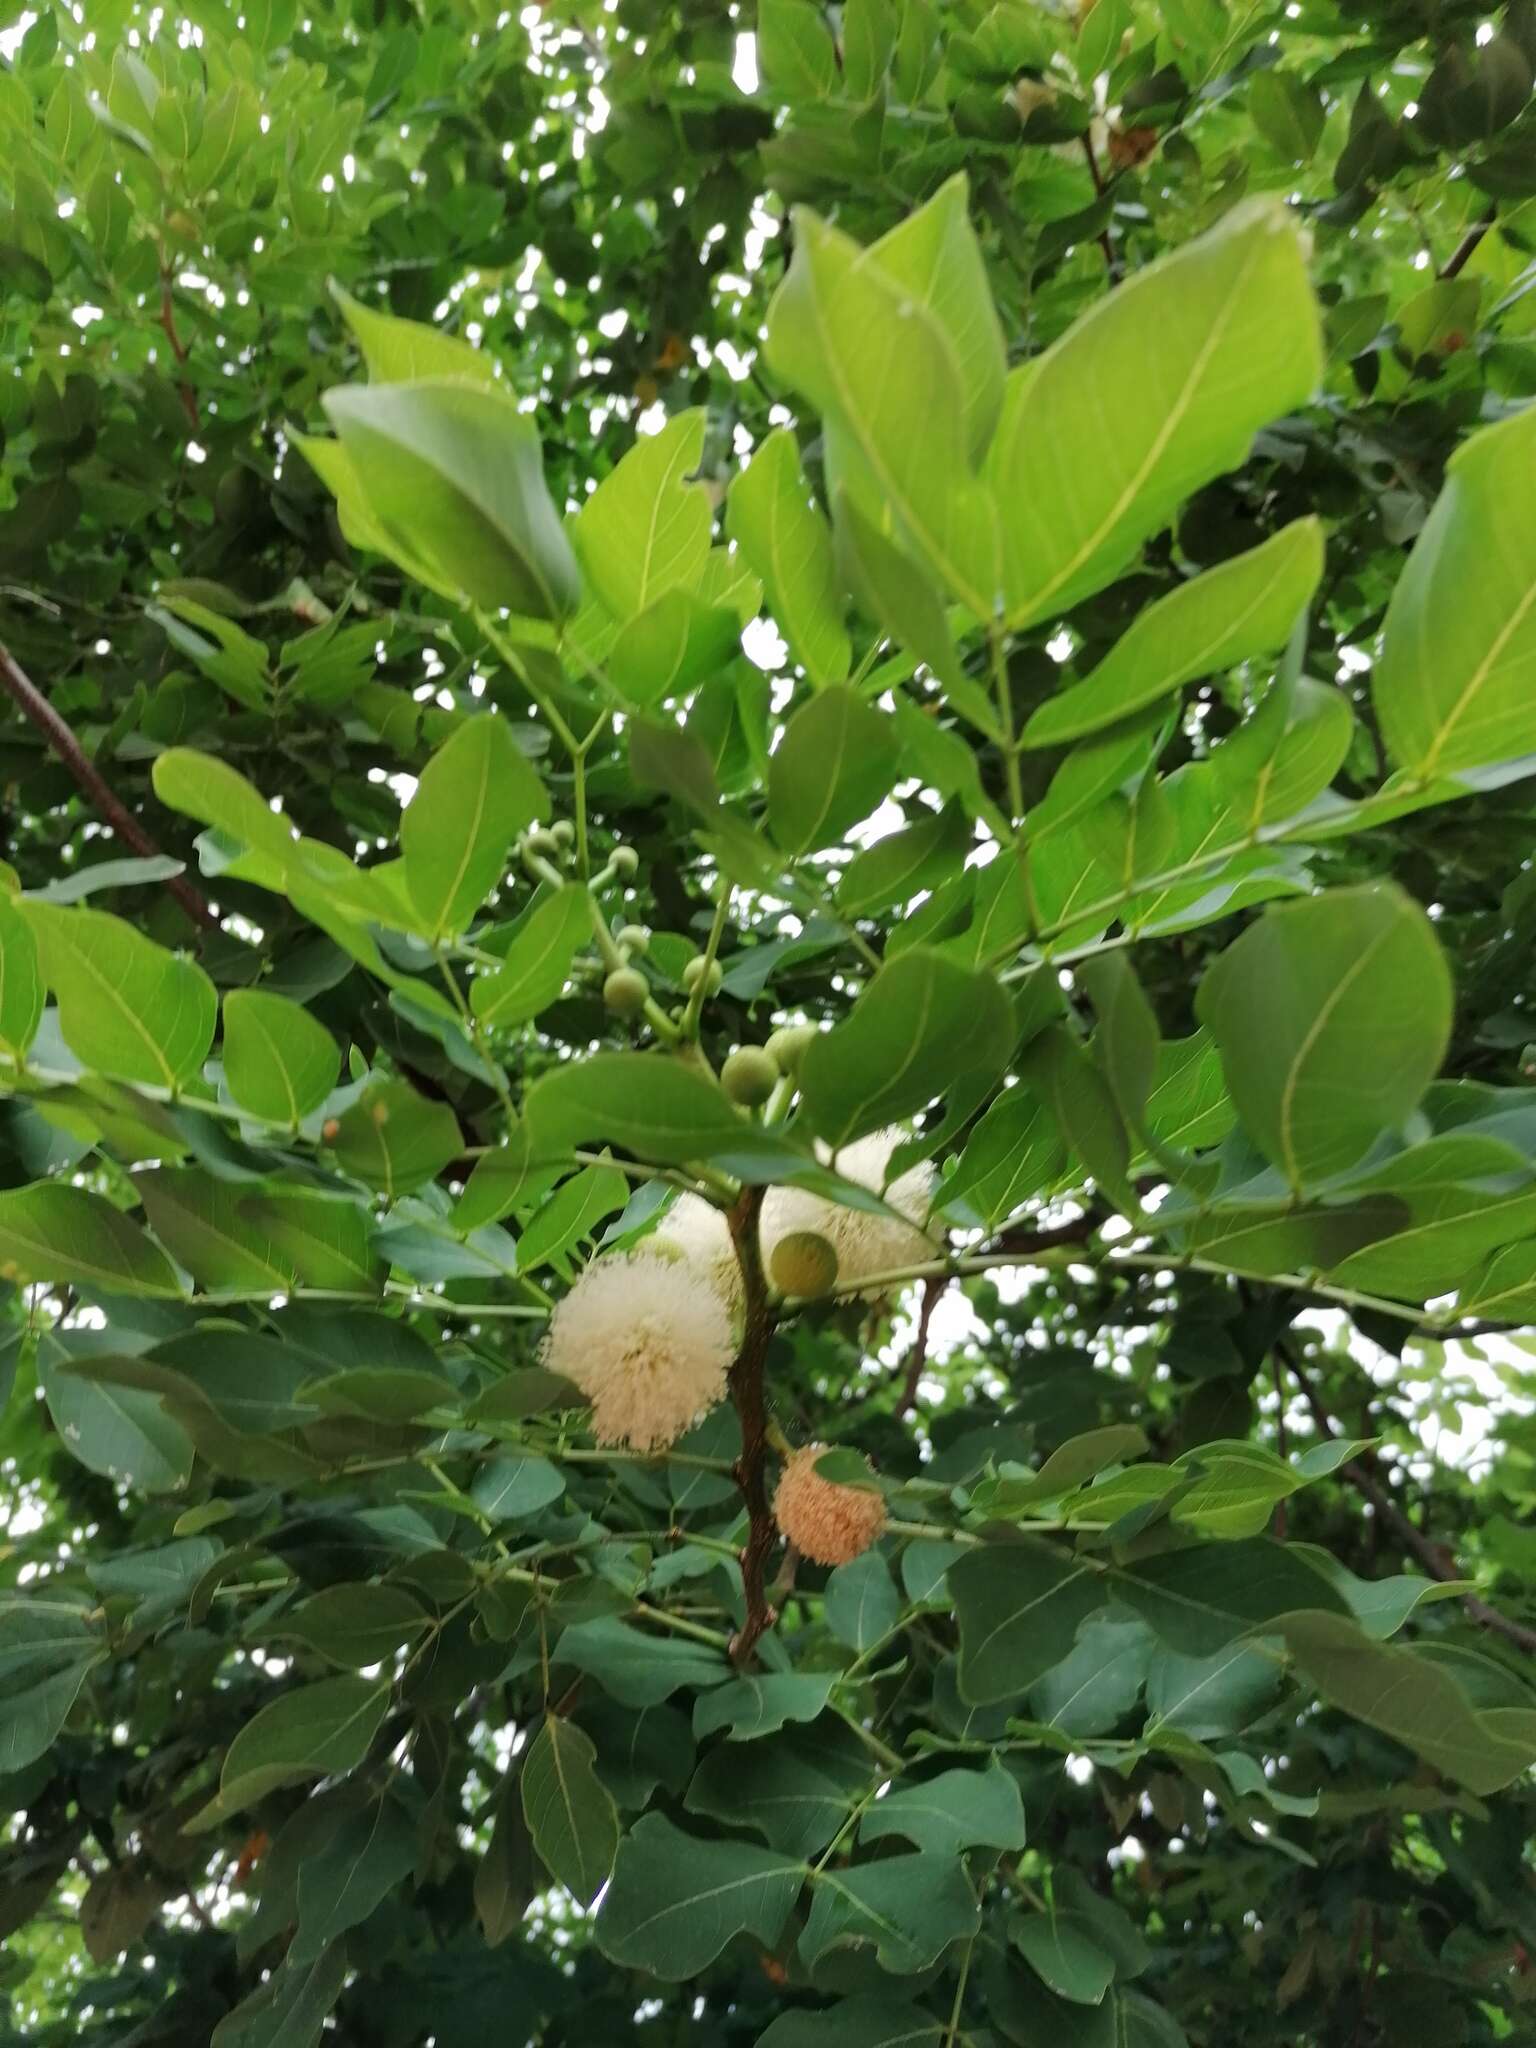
(30, 700)
(1436, 1558)
(178, 348)
(752, 1411)
(917, 1357)
(1111, 261)
(1459, 257)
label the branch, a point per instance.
(1436, 1558)
(751, 1409)
(33, 705)
(917, 1357)
(178, 350)
(1111, 262)
(1457, 261)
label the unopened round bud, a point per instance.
(635, 937)
(625, 991)
(749, 1076)
(803, 1264)
(624, 860)
(563, 832)
(540, 840)
(708, 971)
(788, 1046)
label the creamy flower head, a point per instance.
(698, 1232)
(648, 1341)
(865, 1244)
(828, 1523)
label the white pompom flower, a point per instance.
(866, 1245)
(697, 1232)
(649, 1342)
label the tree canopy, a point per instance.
(767, 1132)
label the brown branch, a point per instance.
(1111, 261)
(1437, 1558)
(30, 700)
(1459, 257)
(917, 1357)
(751, 1408)
(1078, 1231)
(178, 349)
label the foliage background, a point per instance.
(598, 199)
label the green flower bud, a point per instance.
(709, 972)
(563, 832)
(788, 1046)
(635, 937)
(624, 861)
(803, 1264)
(749, 1076)
(626, 991)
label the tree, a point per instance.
(764, 1023)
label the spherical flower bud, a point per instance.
(624, 860)
(709, 972)
(749, 1076)
(625, 991)
(649, 1343)
(635, 937)
(563, 832)
(789, 1044)
(803, 1264)
(866, 1245)
(541, 840)
(826, 1522)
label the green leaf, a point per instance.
(476, 794)
(351, 1871)
(795, 50)
(401, 351)
(289, 2009)
(121, 1432)
(127, 1007)
(203, 787)
(315, 1731)
(795, 1789)
(1014, 1154)
(1288, 112)
(761, 1704)
(872, 2020)
(61, 1234)
(356, 1625)
(1208, 1698)
(1200, 1601)
(537, 965)
(510, 1489)
(896, 868)
(1332, 1016)
(671, 647)
(279, 1062)
(47, 1650)
(907, 1908)
(882, 368)
(921, 1025)
(1062, 1951)
(1415, 1701)
(862, 1606)
(1019, 1606)
(957, 1810)
(1245, 607)
(1092, 1690)
(202, 1222)
(638, 1669)
(645, 529)
(772, 519)
(455, 469)
(572, 1213)
(394, 1139)
(650, 1104)
(21, 983)
(570, 1815)
(1160, 387)
(675, 1901)
(1451, 688)
(837, 759)
(1069, 1466)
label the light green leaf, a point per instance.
(837, 759)
(537, 965)
(203, 1223)
(475, 795)
(862, 1606)
(60, 1234)
(782, 533)
(898, 867)
(401, 351)
(1160, 387)
(1069, 1466)
(795, 50)
(571, 1214)
(650, 1104)
(127, 1007)
(280, 1063)
(394, 1139)
(203, 787)
(315, 1731)
(1452, 686)
(675, 1901)
(645, 529)
(921, 1025)
(1014, 1153)
(510, 1489)
(572, 1818)
(1245, 607)
(21, 983)
(956, 1810)
(908, 1909)
(1019, 1606)
(670, 647)
(456, 470)
(1332, 1016)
